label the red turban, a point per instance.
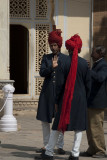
(55, 37)
(74, 44)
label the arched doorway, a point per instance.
(19, 55)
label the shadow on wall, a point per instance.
(100, 33)
(74, 8)
(99, 37)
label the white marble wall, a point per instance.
(72, 17)
(4, 39)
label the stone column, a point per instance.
(4, 47)
(4, 39)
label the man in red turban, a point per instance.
(46, 105)
(72, 92)
(55, 37)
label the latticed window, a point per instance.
(42, 47)
(20, 8)
(38, 85)
(41, 8)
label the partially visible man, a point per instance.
(46, 105)
(72, 92)
(97, 104)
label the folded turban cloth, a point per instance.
(55, 37)
(74, 44)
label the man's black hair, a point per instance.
(101, 50)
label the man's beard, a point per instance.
(55, 52)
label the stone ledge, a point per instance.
(4, 82)
(20, 105)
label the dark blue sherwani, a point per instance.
(98, 96)
(78, 118)
(46, 104)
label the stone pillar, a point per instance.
(4, 39)
(4, 45)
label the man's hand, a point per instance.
(56, 107)
(55, 61)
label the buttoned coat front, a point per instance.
(46, 104)
(78, 117)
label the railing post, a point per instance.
(8, 122)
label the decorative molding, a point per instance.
(19, 8)
(21, 105)
(25, 102)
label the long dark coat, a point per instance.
(78, 117)
(46, 104)
(98, 96)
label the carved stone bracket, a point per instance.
(4, 82)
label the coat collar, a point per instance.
(97, 62)
(57, 54)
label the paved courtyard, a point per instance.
(22, 144)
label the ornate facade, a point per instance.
(35, 15)
(33, 20)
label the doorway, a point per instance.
(19, 58)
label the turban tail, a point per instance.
(55, 37)
(74, 44)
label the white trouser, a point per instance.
(76, 145)
(46, 135)
(53, 139)
(60, 140)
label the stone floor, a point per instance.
(22, 144)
